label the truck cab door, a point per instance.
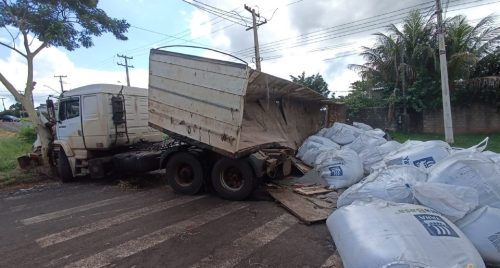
(69, 126)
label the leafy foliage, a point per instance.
(27, 134)
(404, 62)
(362, 96)
(14, 109)
(62, 23)
(315, 82)
(69, 23)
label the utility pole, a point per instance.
(125, 65)
(406, 117)
(448, 123)
(255, 35)
(3, 104)
(61, 81)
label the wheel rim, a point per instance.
(184, 174)
(232, 179)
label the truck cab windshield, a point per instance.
(69, 108)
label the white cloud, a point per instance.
(296, 53)
(53, 61)
(199, 24)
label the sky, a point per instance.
(311, 36)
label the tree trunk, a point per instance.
(43, 132)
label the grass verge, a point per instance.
(11, 147)
(461, 140)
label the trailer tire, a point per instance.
(233, 179)
(63, 167)
(184, 173)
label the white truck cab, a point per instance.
(97, 121)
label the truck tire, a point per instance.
(63, 167)
(184, 173)
(233, 179)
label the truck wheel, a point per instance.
(63, 167)
(184, 173)
(233, 179)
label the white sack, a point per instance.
(385, 234)
(312, 154)
(362, 126)
(340, 168)
(377, 132)
(322, 132)
(472, 169)
(424, 154)
(315, 142)
(364, 141)
(372, 155)
(389, 184)
(453, 201)
(482, 227)
(343, 134)
(493, 156)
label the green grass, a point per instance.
(461, 140)
(11, 147)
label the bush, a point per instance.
(27, 134)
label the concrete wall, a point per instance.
(373, 116)
(476, 118)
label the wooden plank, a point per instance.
(312, 190)
(300, 165)
(300, 206)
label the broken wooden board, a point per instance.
(312, 190)
(300, 206)
(300, 165)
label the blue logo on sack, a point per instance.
(427, 162)
(435, 225)
(336, 171)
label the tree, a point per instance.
(406, 58)
(62, 23)
(315, 82)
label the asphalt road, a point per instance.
(95, 225)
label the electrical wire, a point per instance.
(337, 34)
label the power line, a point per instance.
(329, 28)
(230, 16)
(330, 33)
(177, 36)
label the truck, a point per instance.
(208, 123)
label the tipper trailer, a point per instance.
(228, 125)
(232, 124)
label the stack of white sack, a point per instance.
(313, 146)
(470, 169)
(420, 154)
(482, 227)
(371, 156)
(390, 184)
(386, 234)
(339, 168)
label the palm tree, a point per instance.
(411, 53)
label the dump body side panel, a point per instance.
(198, 98)
(278, 113)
